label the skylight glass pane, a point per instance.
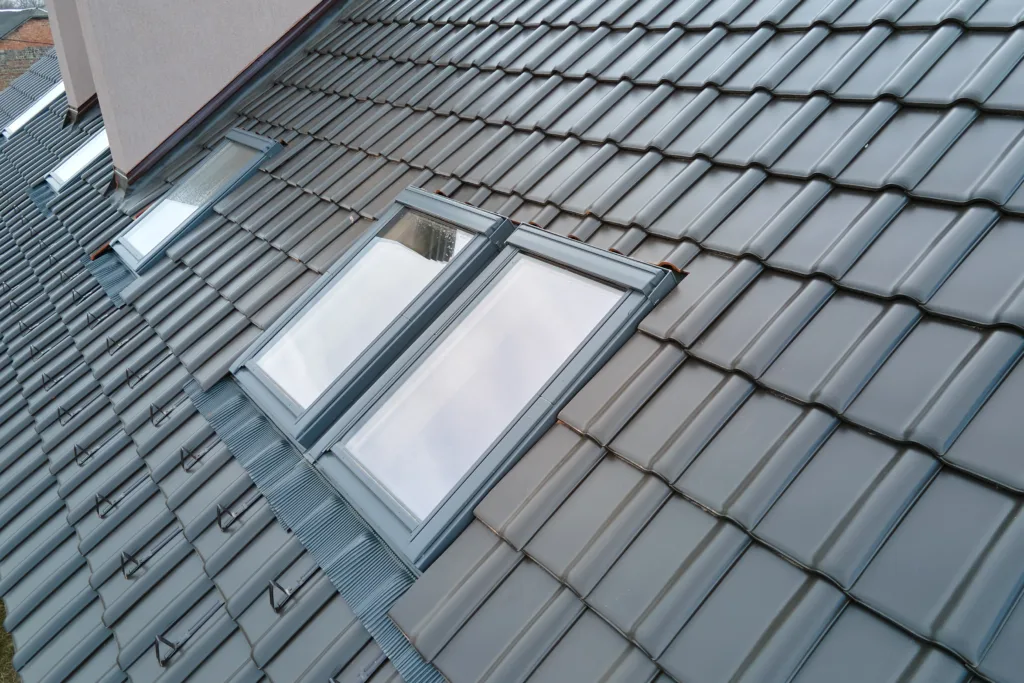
(358, 306)
(82, 157)
(429, 433)
(39, 105)
(190, 195)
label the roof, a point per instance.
(11, 20)
(803, 466)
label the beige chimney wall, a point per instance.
(70, 44)
(156, 63)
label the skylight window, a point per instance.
(79, 159)
(23, 119)
(308, 357)
(230, 163)
(426, 436)
(309, 367)
(419, 449)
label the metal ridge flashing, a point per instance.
(362, 568)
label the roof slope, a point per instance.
(12, 19)
(804, 466)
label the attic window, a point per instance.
(188, 202)
(79, 159)
(312, 364)
(418, 451)
(23, 119)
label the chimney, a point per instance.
(74, 60)
(161, 67)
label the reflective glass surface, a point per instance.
(214, 174)
(448, 412)
(82, 157)
(22, 119)
(329, 335)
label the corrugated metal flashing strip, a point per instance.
(111, 273)
(362, 568)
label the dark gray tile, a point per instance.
(537, 485)
(934, 383)
(987, 445)
(754, 457)
(667, 571)
(862, 647)
(685, 413)
(843, 504)
(757, 625)
(971, 539)
(513, 629)
(621, 387)
(440, 603)
(840, 349)
(590, 651)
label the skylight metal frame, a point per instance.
(306, 426)
(419, 543)
(57, 184)
(138, 263)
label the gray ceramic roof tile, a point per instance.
(743, 481)
(934, 382)
(512, 630)
(838, 351)
(621, 387)
(438, 605)
(576, 544)
(667, 571)
(759, 622)
(918, 250)
(844, 503)
(700, 399)
(970, 537)
(761, 322)
(860, 646)
(546, 475)
(592, 650)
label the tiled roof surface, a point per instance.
(804, 466)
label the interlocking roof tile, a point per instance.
(804, 466)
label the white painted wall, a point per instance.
(70, 44)
(157, 62)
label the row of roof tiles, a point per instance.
(786, 14)
(916, 67)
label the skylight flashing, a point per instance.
(25, 117)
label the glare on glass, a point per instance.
(22, 119)
(356, 308)
(215, 173)
(79, 159)
(448, 412)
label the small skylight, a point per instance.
(79, 159)
(323, 352)
(188, 201)
(22, 119)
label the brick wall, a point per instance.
(21, 48)
(13, 63)
(33, 33)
